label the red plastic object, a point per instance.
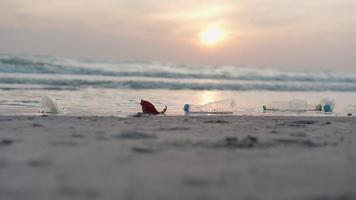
(149, 108)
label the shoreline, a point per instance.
(177, 157)
(139, 115)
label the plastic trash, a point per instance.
(296, 105)
(149, 108)
(49, 105)
(218, 107)
(326, 105)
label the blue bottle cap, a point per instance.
(186, 107)
(327, 108)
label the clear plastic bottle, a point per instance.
(326, 105)
(296, 105)
(49, 105)
(218, 107)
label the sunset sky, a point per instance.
(287, 34)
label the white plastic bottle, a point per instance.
(296, 105)
(218, 107)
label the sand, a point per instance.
(154, 158)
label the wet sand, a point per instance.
(214, 157)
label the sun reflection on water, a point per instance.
(209, 96)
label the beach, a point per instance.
(177, 157)
(177, 100)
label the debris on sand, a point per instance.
(304, 142)
(6, 142)
(246, 142)
(149, 108)
(143, 150)
(49, 105)
(134, 135)
(217, 121)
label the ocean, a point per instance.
(89, 87)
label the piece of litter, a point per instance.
(49, 105)
(149, 108)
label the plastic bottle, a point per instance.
(295, 105)
(218, 107)
(326, 105)
(49, 105)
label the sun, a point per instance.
(212, 36)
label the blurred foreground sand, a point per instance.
(212, 157)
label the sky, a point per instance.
(285, 34)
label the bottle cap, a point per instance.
(186, 108)
(327, 108)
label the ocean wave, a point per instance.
(76, 83)
(52, 65)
